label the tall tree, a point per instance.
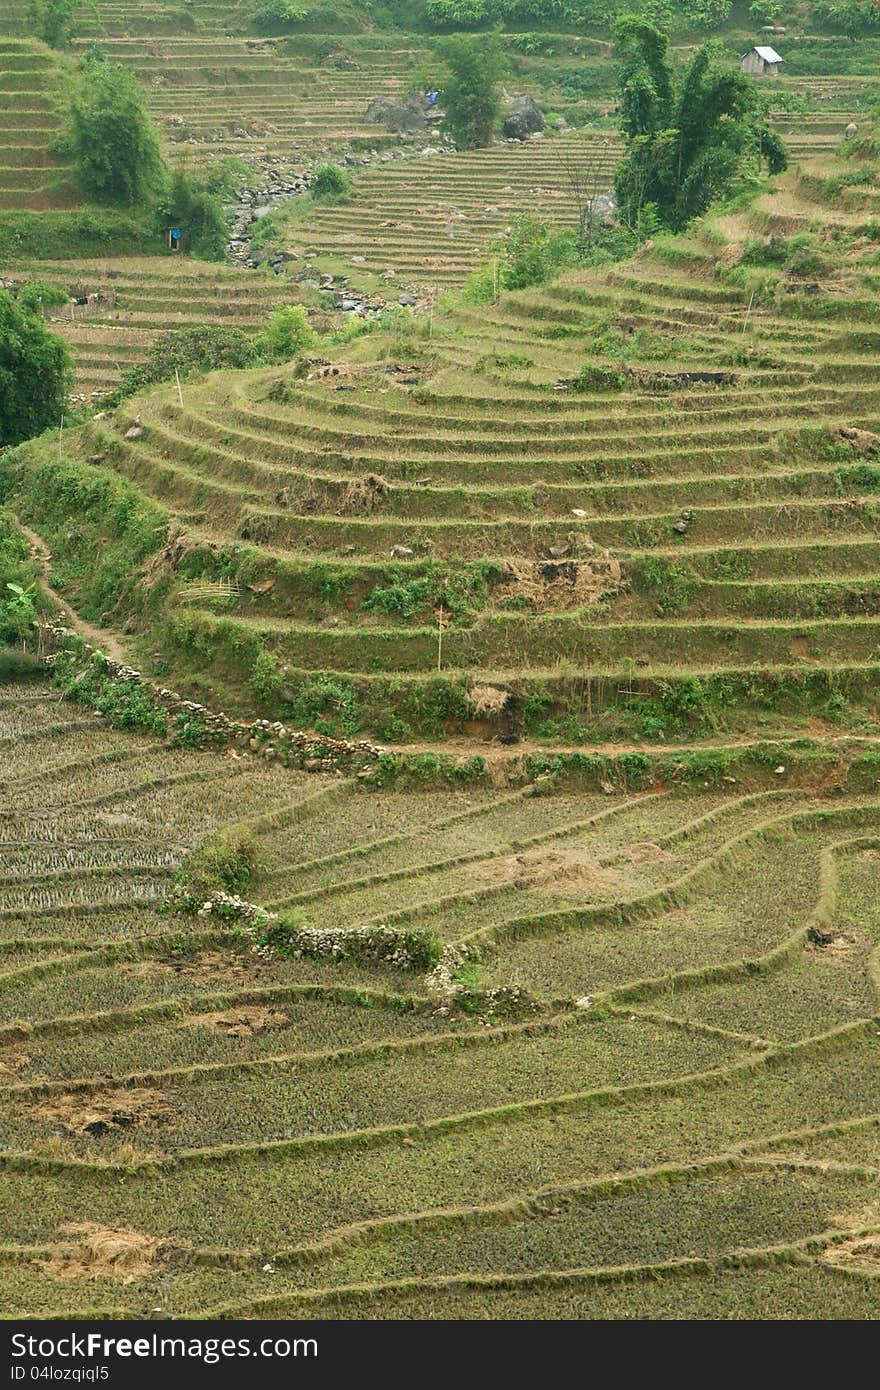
(689, 137)
(470, 94)
(110, 136)
(35, 373)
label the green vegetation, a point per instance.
(689, 138)
(330, 184)
(35, 371)
(55, 20)
(110, 136)
(471, 99)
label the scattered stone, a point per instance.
(401, 552)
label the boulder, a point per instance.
(398, 114)
(524, 118)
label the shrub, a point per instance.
(39, 294)
(278, 16)
(330, 184)
(53, 21)
(186, 350)
(286, 334)
(227, 860)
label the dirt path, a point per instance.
(42, 555)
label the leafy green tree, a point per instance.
(689, 138)
(645, 76)
(53, 21)
(110, 136)
(35, 373)
(471, 99)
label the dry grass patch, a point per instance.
(108, 1112)
(550, 870)
(104, 1252)
(239, 1021)
(859, 1252)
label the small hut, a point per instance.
(760, 62)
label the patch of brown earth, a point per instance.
(241, 1022)
(104, 1112)
(207, 968)
(13, 1060)
(799, 649)
(103, 1252)
(551, 871)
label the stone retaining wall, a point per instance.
(270, 739)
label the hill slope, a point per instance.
(680, 538)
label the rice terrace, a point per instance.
(439, 656)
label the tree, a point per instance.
(53, 21)
(35, 373)
(470, 94)
(688, 138)
(110, 136)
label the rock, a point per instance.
(558, 551)
(134, 432)
(406, 299)
(398, 114)
(401, 552)
(600, 211)
(358, 260)
(851, 131)
(525, 117)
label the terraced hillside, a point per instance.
(425, 223)
(143, 296)
(638, 502)
(639, 1077)
(31, 176)
(218, 96)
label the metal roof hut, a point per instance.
(760, 62)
